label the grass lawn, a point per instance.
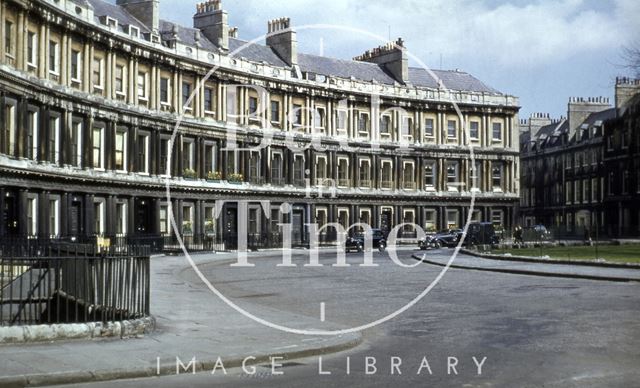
(610, 253)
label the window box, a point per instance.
(189, 174)
(236, 179)
(214, 176)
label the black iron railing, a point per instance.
(42, 284)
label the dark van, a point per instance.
(482, 233)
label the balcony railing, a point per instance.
(278, 181)
(344, 182)
(256, 180)
(365, 183)
(325, 182)
(300, 182)
(409, 186)
(386, 185)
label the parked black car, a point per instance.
(481, 233)
(357, 243)
(446, 238)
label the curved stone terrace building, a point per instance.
(91, 92)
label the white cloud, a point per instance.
(530, 34)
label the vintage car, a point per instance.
(357, 243)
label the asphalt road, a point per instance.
(533, 331)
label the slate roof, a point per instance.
(364, 71)
(104, 8)
(255, 52)
(186, 35)
(600, 117)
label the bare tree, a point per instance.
(631, 57)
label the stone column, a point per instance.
(3, 11)
(154, 85)
(20, 42)
(64, 60)
(87, 65)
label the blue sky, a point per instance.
(543, 51)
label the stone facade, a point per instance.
(573, 168)
(91, 96)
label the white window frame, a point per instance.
(366, 133)
(431, 220)
(147, 149)
(35, 130)
(361, 163)
(125, 151)
(320, 114)
(101, 67)
(78, 128)
(123, 91)
(342, 131)
(168, 101)
(122, 218)
(56, 153)
(453, 186)
(501, 167)
(100, 216)
(405, 165)
(433, 128)
(455, 127)
(406, 124)
(142, 86)
(34, 49)
(56, 56)
(101, 163)
(383, 164)
(32, 205)
(493, 131)
(77, 78)
(165, 225)
(434, 165)
(55, 202)
(10, 121)
(456, 223)
(192, 154)
(471, 123)
(338, 163)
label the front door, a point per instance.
(75, 220)
(231, 228)
(10, 216)
(297, 221)
(143, 216)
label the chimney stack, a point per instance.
(393, 56)
(581, 108)
(147, 11)
(626, 88)
(535, 123)
(283, 40)
(213, 21)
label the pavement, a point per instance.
(534, 331)
(191, 322)
(533, 268)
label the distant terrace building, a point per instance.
(576, 171)
(91, 92)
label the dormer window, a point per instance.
(111, 22)
(134, 32)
